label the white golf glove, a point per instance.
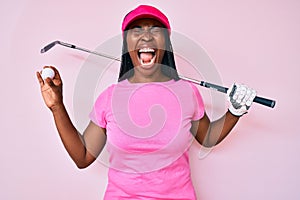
(240, 98)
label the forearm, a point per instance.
(219, 129)
(212, 133)
(71, 138)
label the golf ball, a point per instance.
(47, 72)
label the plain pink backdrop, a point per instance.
(256, 43)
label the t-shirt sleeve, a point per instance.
(199, 105)
(98, 115)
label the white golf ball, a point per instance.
(47, 72)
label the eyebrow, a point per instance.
(139, 26)
(135, 26)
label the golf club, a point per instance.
(257, 99)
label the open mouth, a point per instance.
(146, 56)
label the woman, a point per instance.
(148, 152)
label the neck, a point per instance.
(147, 79)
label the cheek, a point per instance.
(132, 56)
(161, 43)
(160, 55)
(161, 47)
(129, 47)
(130, 44)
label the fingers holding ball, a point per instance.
(47, 73)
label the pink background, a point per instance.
(256, 43)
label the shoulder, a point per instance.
(105, 94)
(195, 92)
(188, 86)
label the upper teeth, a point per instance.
(146, 50)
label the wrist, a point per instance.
(237, 112)
(57, 108)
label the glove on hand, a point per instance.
(240, 97)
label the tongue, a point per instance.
(146, 57)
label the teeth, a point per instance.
(145, 50)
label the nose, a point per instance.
(147, 36)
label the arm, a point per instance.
(209, 133)
(83, 149)
(212, 133)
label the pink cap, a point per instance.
(145, 11)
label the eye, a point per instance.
(156, 30)
(137, 30)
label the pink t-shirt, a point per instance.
(148, 138)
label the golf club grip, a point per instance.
(257, 99)
(266, 102)
(49, 46)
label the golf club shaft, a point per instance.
(257, 99)
(52, 44)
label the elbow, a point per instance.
(82, 165)
(211, 144)
(84, 162)
(208, 145)
(205, 142)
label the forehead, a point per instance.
(145, 22)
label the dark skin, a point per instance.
(146, 33)
(84, 149)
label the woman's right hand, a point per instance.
(51, 89)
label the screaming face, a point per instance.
(146, 46)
